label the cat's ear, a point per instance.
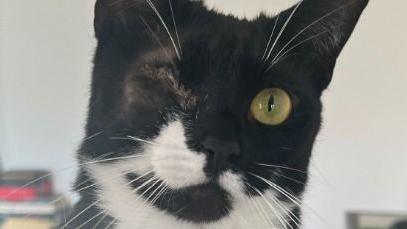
(135, 18)
(319, 29)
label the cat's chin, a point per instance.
(204, 203)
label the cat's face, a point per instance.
(204, 117)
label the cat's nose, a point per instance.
(221, 154)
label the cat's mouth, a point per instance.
(202, 203)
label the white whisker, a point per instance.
(100, 220)
(261, 210)
(163, 189)
(142, 140)
(282, 167)
(289, 196)
(283, 29)
(289, 178)
(80, 213)
(63, 170)
(278, 58)
(89, 220)
(98, 201)
(93, 136)
(280, 218)
(310, 25)
(114, 221)
(270, 38)
(151, 4)
(286, 211)
(147, 200)
(157, 39)
(175, 26)
(90, 162)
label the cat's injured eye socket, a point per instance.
(272, 106)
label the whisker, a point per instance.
(316, 177)
(283, 29)
(261, 210)
(142, 140)
(100, 220)
(80, 213)
(270, 39)
(157, 39)
(153, 192)
(114, 221)
(312, 24)
(89, 220)
(282, 167)
(98, 201)
(289, 178)
(133, 191)
(143, 185)
(175, 26)
(286, 211)
(139, 177)
(91, 162)
(288, 195)
(161, 193)
(93, 136)
(40, 178)
(291, 197)
(278, 58)
(151, 4)
(136, 139)
(281, 219)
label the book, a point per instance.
(20, 223)
(43, 207)
(24, 185)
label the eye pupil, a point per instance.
(271, 104)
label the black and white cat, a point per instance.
(201, 120)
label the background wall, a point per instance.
(45, 52)
(360, 161)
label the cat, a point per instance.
(201, 120)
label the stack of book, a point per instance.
(27, 200)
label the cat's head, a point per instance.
(199, 113)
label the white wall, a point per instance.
(46, 49)
(362, 150)
(360, 161)
(2, 120)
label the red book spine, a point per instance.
(18, 194)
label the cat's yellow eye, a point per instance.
(271, 106)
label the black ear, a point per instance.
(131, 22)
(317, 30)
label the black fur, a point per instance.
(221, 68)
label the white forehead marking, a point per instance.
(173, 162)
(249, 9)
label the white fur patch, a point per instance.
(249, 10)
(170, 159)
(178, 167)
(131, 211)
(173, 162)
